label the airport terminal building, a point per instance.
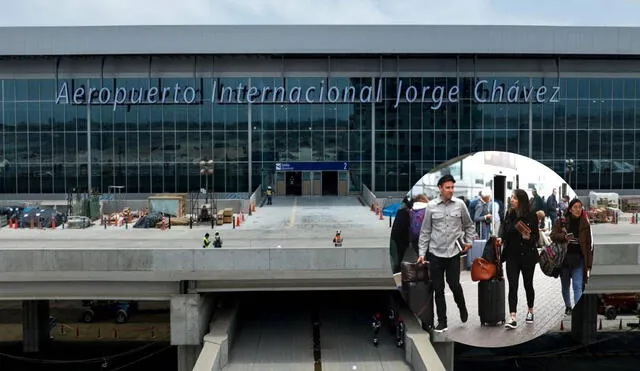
(311, 110)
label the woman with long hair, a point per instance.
(519, 237)
(574, 229)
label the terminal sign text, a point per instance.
(484, 91)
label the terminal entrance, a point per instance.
(312, 179)
(294, 183)
(330, 183)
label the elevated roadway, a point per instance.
(285, 246)
(616, 261)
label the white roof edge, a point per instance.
(319, 39)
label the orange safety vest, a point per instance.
(337, 240)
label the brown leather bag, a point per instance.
(485, 270)
(414, 272)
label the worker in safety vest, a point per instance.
(206, 243)
(337, 240)
(269, 194)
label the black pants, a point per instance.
(514, 267)
(439, 268)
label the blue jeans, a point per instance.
(574, 278)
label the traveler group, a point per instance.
(439, 232)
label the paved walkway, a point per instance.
(549, 310)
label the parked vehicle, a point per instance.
(97, 309)
(611, 305)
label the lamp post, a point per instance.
(569, 163)
(206, 168)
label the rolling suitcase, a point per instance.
(491, 293)
(418, 293)
(491, 302)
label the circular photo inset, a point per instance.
(485, 250)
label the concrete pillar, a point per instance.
(445, 351)
(584, 319)
(187, 356)
(190, 317)
(35, 325)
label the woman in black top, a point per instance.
(399, 241)
(520, 252)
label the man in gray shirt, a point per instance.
(446, 221)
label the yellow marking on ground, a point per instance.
(292, 219)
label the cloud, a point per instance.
(171, 12)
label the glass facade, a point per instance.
(47, 147)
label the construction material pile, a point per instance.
(36, 217)
(151, 220)
(78, 222)
(601, 215)
(630, 204)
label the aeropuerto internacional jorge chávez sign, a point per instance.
(484, 91)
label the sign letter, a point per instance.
(63, 93)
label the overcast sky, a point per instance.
(137, 12)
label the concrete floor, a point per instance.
(289, 222)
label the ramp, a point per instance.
(312, 331)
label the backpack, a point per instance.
(551, 259)
(416, 218)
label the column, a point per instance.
(584, 319)
(190, 317)
(445, 351)
(35, 325)
(187, 356)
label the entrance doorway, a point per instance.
(329, 183)
(294, 183)
(500, 191)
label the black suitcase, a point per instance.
(491, 302)
(419, 297)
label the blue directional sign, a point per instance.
(312, 166)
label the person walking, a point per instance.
(574, 229)
(519, 237)
(399, 241)
(217, 240)
(446, 219)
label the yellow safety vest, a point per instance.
(206, 243)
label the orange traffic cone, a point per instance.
(237, 222)
(53, 223)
